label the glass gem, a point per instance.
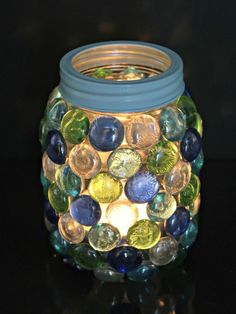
(124, 258)
(86, 257)
(48, 225)
(45, 183)
(84, 161)
(161, 207)
(164, 251)
(162, 157)
(195, 121)
(142, 132)
(197, 163)
(50, 213)
(189, 237)
(55, 93)
(57, 198)
(103, 237)
(190, 192)
(67, 181)
(186, 92)
(75, 126)
(179, 176)
(106, 273)
(178, 223)
(172, 123)
(104, 188)
(120, 209)
(187, 106)
(190, 145)
(194, 206)
(144, 272)
(55, 111)
(106, 133)
(70, 229)
(85, 210)
(56, 147)
(142, 187)
(124, 163)
(44, 128)
(59, 244)
(49, 167)
(143, 234)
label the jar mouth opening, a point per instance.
(121, 62)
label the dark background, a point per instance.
(34, 36)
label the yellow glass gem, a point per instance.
(84, 161)
(104, 188)
(179, 176)
(122, 214)
(70, 229)
(162, 157)
(75, 126)
(49, 167)
(142, 132)
(124, 163)
(58, 200)
(103, 237)
(144, 234)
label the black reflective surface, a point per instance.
(33, 281)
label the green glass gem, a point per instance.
(45, 182)
(55, 111)
(190, 192)
(195, 121)
(86, 257)
(162, 157)
(44, 128)
(67, 181)
(75, 126)
(101, 73)
(58, 200)
(196, 164)
(190, 234)
(106, 273)
(187, 106)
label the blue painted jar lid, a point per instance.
(153, 92)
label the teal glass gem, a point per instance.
(44, 128)
(144, 272)
(55, 111)
(196, 164)
(190, 234)
(67, 181)
(187, 106)
(172, 123)
(86, 257)
(106, 273)
(45, 183)
(59, 244)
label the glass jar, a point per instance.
(121, 140)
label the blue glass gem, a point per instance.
(56, 147)
(178, 223)
(124, 258)
(59, 244)
(190, 234)
(142, 187)
(85, 210)
(144, 272)
(196, 164)
(190, 145)
(106, 133)
(187, 92)
(50, 213)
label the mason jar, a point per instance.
(121, 142)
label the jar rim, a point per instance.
(121, 96)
